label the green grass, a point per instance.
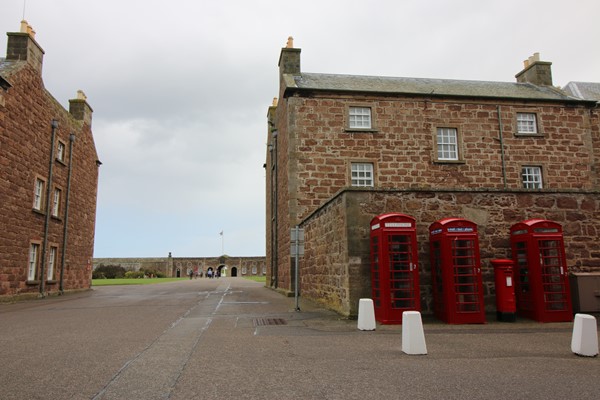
(148, 281)
(256, 278)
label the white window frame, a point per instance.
(527, 123)
(34, 252)
(38, 194)
(52, 262)
(360, 118)
(531, 176)
(244, 270)
(56, 202)
(254, 270)
(60, 151)
(447, 144)
(362, 174)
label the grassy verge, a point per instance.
(148, 281)
(256, 278)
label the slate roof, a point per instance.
(6, 68)
(424, 87)
(584, 90)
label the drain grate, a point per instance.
(269, 321)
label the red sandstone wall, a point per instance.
(24, 154)
(335, 268)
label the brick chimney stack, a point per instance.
(535, 71)
(289, 60)
(23, 47)
(80, 109)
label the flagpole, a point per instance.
(222, 243)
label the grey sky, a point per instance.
(180, 90)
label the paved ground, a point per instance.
(231, 338)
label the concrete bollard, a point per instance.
(413, 337)
(366, 315)
(584, 341)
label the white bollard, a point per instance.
(366, 315)
(585, 336)
(413, 337)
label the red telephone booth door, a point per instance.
(541, 280)
(394, 267)
(456, 271)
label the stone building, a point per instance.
(180, 267)
(48, 179)
(343, 149)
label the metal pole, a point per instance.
(54, 125)
(297, 255)
(65, 228)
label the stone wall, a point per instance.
(335, 269)
(181, 266)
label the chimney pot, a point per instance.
(290, 43)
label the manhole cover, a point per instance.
(269, 321)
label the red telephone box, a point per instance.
(541, 281)
(456, 271)
(394, 267)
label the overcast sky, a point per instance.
(180, 90)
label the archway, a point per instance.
(178, 273)
(233, 271)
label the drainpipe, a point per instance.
(65, 228)
(54, 125)
(502, 148)
(275, 222)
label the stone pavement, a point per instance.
(231, 338)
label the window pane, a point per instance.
(360, 117)
(56, 202)
(362, 174)
(532, 177)
(51, 262)
(526, 123)
(33, 256)
(38, 193)
(447, 144)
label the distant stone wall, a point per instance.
(181, 266)
(335, 270)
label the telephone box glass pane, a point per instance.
(553, 284)
(438, 286)
(401, 280)
(465, 275)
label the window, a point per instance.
(359, 118)
(56, 202)
(526, 123)
(38, 194)
(532, 177)
(52, 262)
(447, 144)
(254, 270)
(60, 152)
(362, 174)
(34, 252)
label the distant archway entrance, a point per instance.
(233, 271)
(222, 270)
(178, 273)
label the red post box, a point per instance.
(541, 281)
(394, 267)
(506, 306)
(456, 271)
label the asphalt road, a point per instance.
(231, 338)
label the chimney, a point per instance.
(535, 71)
(23, 47)
(289, 60)
(80, 109)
